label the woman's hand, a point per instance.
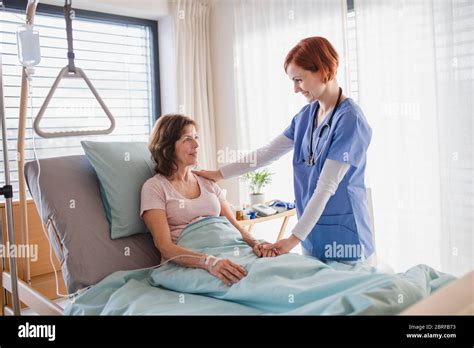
(226, 270)
(283, 246)
(257, 246)
(214, 175)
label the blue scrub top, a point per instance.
(343, 231)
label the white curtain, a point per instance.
(415, 75)
(265, 30)
(194, 79)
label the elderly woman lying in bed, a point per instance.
(175, 197)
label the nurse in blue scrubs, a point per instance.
(329, 137)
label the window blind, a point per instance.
(117, 58)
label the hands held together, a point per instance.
(283, 246)
(260, 251)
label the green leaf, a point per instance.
(257, 180)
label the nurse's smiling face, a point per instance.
(309, 83)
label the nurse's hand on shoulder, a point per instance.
(283, 246)
(214, 175)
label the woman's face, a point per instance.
(186, 147)
(309, 83)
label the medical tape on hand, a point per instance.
(210, 258)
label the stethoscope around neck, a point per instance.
(311, 160)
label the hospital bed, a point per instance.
(81, 240)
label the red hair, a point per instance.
(315, 54)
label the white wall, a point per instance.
(222, 38)
(166, 47)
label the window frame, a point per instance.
(102, 17)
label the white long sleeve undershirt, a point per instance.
(263, 156)
(332, 174)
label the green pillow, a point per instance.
(122, 169)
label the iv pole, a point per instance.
(7, 192)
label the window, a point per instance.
(118, 54)
(415, 64)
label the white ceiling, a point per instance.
(148, 9)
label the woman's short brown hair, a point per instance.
(166, 132)
(314, 54)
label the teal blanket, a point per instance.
(287, 284)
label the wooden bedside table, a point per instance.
(285, 215)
